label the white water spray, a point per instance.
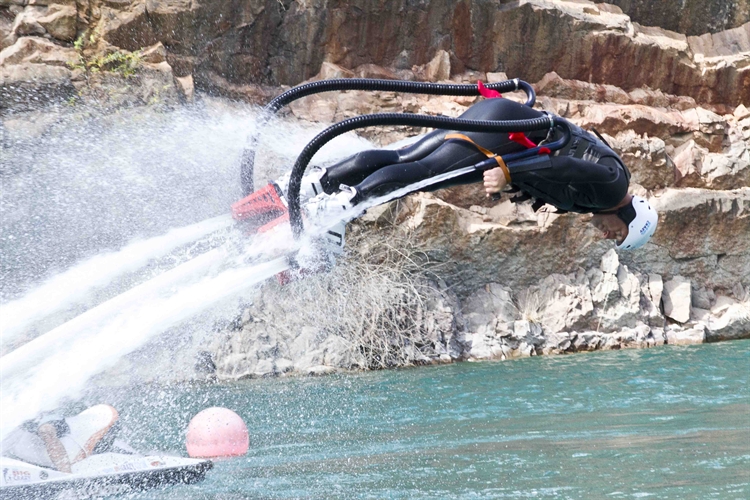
(31, 379)
(73, 285)
(192, 164)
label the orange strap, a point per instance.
(486, 152)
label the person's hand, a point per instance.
(494, 181)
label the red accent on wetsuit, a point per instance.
(488, 93)
(521, 139)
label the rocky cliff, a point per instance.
(692, 17)
(232, 47)
(501, 281)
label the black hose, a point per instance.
(439, 122)
(396, 86)
(247, 164)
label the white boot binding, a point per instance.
(310, 185)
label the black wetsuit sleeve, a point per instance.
(573, 184)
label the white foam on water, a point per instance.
(73, 285)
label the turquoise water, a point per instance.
(671, 422)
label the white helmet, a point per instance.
(642, 227)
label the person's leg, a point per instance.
(355, 169)
(358, 167)
(452, 154)
(55, 449)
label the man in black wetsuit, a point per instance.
(585, 176)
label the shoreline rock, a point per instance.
(601, 308)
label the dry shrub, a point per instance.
(532, 304)
(378, 299)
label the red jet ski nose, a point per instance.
(263, 205)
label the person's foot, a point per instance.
(311, 183)
(324, 208)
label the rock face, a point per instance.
(233, 48)
(692, 17)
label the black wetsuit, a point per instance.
(585, 176)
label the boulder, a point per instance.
(128, 27)
(378, 72)
(60, 21)
(703, 298)
(339, 353)
(479, 347)
(330, 71)
(37, 50)
(552, 85)
(185, 88)
(741, 112)
(557, 343)
(586, 341)
(309, 360)
(729, 320)
(23, 85)
(655, 288)
(264, 368)
(490, 305)
(677, 299)
(695, 335)
(438, 69)
(156, 54)
(569, 306)
(699, 222)
(7, 36)
(647, 159)
(27, 22)
(320, 370)
(283, 366)
(650, 303)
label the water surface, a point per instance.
(670, 422)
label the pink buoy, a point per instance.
(217, 432)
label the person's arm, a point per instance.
(568, 183)
(55, 448)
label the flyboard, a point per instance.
(30, 474)
(270, 207)
(97, 476)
